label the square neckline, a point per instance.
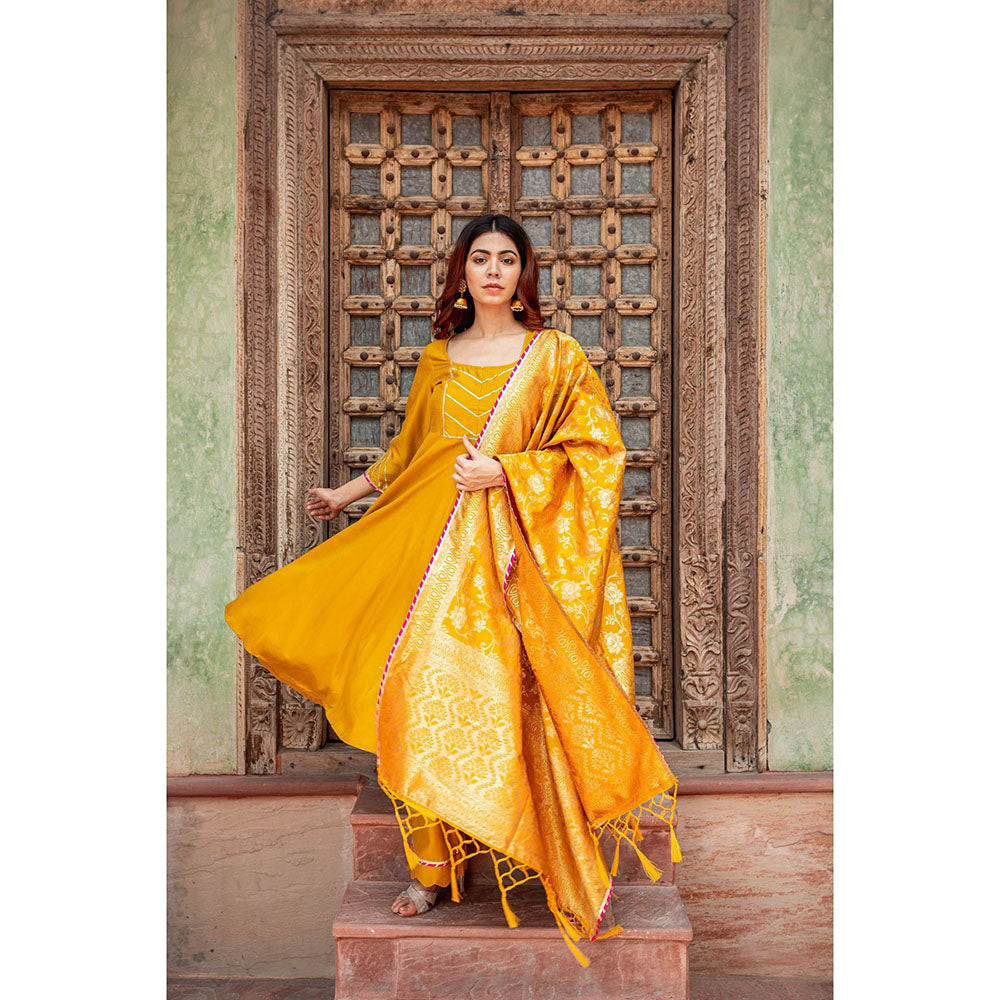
(462, 364)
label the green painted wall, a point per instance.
(800, 387)
(201, 526)
(201, 363)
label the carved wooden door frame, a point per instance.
(286, 61)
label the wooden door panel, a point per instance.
(407, 170)
(589, 178)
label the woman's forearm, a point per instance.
(355, 489)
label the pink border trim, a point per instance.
(510, 566)
(370, 483)
(604, 906)
(437, 547)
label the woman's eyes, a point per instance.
(482, 260)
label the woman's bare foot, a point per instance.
(404, 905)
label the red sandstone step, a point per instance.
(378, 847)
(702, 988)
(466, 950)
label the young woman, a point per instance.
(471, 629)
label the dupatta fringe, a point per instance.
(625, 826)
(509, 872)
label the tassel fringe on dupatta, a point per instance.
(510, 873)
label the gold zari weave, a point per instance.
(497, 718)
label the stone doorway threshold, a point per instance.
(337, 759)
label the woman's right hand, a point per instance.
(325, 504)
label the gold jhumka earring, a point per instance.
(460, 302)
(517, 306)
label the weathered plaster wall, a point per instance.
(800, 387)
(201, 358)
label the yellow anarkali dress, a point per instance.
(478, 642)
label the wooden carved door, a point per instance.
(636, 156)
(589, 177)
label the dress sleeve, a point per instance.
(416, 424)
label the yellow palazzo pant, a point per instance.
(429, 843)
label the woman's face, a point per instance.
(492, 269)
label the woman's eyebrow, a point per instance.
(502, 252)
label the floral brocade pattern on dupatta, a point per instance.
(505, 710)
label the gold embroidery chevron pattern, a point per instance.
(468, 398)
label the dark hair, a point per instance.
(448, 319)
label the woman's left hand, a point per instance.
(476, 471)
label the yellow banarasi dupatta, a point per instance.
(505, 709)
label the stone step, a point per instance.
(378, 847)
(702, 988)
(227, 988)
(467, 951)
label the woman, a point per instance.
(471, 628)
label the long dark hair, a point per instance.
(448, 319)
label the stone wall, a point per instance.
(254, 884)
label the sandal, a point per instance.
(423, 898)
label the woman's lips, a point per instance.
(498, 287)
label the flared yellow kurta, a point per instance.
(325, 622)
